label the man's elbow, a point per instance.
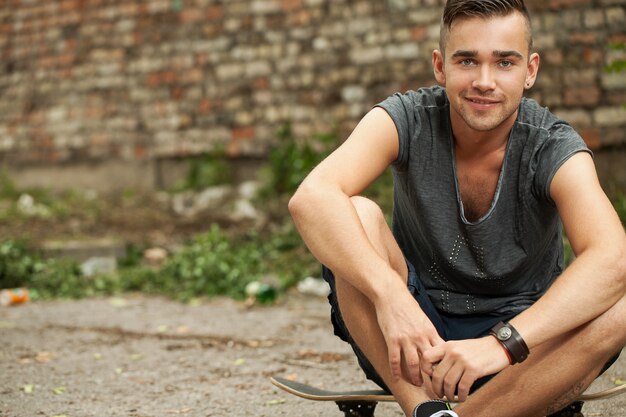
(621, 264)
(299, 201)
(616, 259)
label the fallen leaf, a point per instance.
(118, 370)
(59, 390)
(276, 402)
(183, 329)
(118, 302)
(61, 415)
(239, 362)
(28, 388)
(195, 302)
(97, 356)
(181, 411)
(7, 325)
(620, 382)
(162, 328)
(136, 356)
(43, 357)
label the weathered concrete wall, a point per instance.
(86, 85)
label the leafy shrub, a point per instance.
(291, 160)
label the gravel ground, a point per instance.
(141, 356)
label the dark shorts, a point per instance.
(449, 327)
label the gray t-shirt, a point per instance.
(506, 260)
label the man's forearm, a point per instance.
(590, 286)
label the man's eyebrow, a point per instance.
(465, 54)
(498, 54)
(507, 54)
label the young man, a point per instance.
(470, 281)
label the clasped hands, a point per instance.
(416, 351)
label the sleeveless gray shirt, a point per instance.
(506, 260)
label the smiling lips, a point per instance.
(481, 103)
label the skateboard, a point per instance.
(362, 403)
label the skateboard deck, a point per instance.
(362, 403)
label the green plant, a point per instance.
(206, 171)
(212, 264)
(7, 187)
(291, 160)
(618, 65)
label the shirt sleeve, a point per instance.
(401, 109)
(562, 143)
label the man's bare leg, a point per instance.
(554, 374)
(358, 312)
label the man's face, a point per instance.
(485, 70)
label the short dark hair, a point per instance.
(456, 9)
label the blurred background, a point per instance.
(152, 145)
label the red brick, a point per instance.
(139, 151)
(193, 76)
(233, 148)
(617, 38)
(153, 80)
(553, 57)
(290, 5)
(562, 4)
(191, 16)
(215, 12)
(261, 83)
(586, 96)
(168, 77)
(584, 38)
(243, 133)
(592, 56)
(177, 93)
(418, 33)
(300, 18)
(205, 106)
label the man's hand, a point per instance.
(408, 333)
(461, 362)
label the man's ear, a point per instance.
(438, 66)
(533, 70)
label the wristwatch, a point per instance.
(512, 342)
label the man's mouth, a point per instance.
(481, 103)
(478, 100)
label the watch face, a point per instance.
(504, 333)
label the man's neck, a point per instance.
(470, 143)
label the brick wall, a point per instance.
(136, 81)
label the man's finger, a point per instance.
(430, 358)
(395, 361)
(465, 383)
(412, 360)
(451, 379)
(438, 374)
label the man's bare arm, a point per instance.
(596, 280)
(330, 226)
(321, 206)
(590, 286)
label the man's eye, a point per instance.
(506, 64)
(467, 62)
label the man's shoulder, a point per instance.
(424, 97)
(534, 115)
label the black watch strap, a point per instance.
(512, 342)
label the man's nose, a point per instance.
(485, 79)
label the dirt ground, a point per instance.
(140, 356)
